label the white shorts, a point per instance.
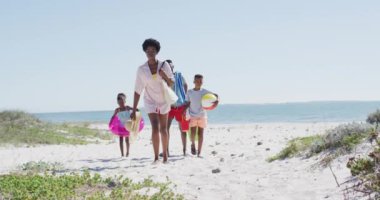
(159, 109)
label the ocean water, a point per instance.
(344, 111)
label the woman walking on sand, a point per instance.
(149, 78)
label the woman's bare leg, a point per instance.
(170, 120)
(164, 135)
(154, 121)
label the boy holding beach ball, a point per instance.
(196, 111)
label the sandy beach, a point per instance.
(234, 150)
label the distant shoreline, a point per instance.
(232, 104)
(311, 112)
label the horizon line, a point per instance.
(272, 103)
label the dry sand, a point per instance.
(233, 149)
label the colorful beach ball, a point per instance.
(209, 101)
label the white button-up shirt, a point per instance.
(154, 100)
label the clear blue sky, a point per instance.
(77, 55)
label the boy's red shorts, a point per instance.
(177, 113)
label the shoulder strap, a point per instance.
(161, 65)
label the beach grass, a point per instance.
(296, 146)
(18, 127)
(33, 167)
(365, 168)
(365, 173)
(337, 141)
(81, 186)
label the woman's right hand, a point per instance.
(133, 115)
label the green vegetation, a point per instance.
(17, 127)
(295, 147)
(361, 166)
(340, 140)
(40, 180)
(40, 167)
(84, 186)
(365, 169)
(374, 118)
